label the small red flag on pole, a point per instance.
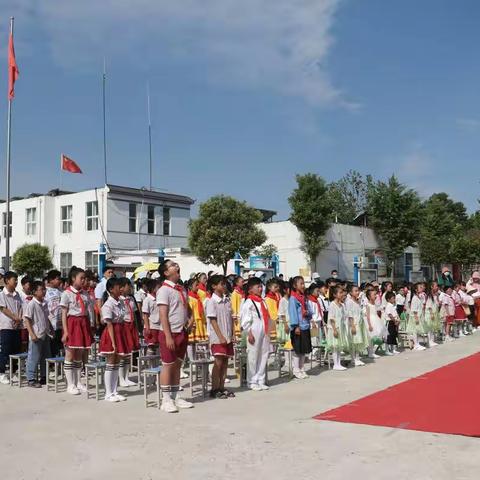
(69, 165)
(12, 68)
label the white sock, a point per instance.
(121, 370)
(114, 379)
(108, 379)
(190, 352)
(167, 393)
(336, 358)
(296, 362)
(175, 392)
(69, 375)
(78, 369)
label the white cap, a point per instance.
(315, 275)
(251, 273)
(2, 271)
(259, 274)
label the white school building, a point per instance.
(75, 226)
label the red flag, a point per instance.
(12, 68)
(69, 165)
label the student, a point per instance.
(358, 335)
(416, 322)
(76, 325)
(151, 316)
(52, 298)
(26, 296)
(174, 318)
(375, 326)
(448, 307)
(141, 292)
(255, 322)
(392, 321)
(324, 300)
(336, 335)
(431, 314)
(113, 342)
(40, 330)
(10, 323)
(130, 310)
(272, 301)
(300, 322)
(220, 333)
(199, 322)
(400, 299)
(202, 286)
(283, 330)
(317, 313)
(237, 298)
(460, 304)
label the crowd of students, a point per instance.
(54, 315)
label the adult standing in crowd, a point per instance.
(101, 287)
(473, 289)
(445, 280)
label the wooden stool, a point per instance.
(21, 359)
(56, 362)
(98, 368)
(150, 372)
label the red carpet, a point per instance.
(441, 401)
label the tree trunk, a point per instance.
(392, 273)
(224, 266)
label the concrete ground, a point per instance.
(256, 435)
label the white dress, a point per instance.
(379, 329)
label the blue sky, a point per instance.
(245, 94)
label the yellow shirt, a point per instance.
(236, 300)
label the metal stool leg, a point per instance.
(145, 394)
(10, 371)
(96, 384)
(158, 392)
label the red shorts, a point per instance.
(171, 356)
(222, 350)
(450, 319)
(79, 332)
(460, 313)
(121, 343)
(151, 338)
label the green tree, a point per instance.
(394, 213)
(32, 259)
(464, 247)
(224, 227)
(440, 218)
(311, 212)
(348, 196)
(267, 250)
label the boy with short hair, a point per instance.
(39, 329)
(174, 317)
(220, 333)
(10, 323)
(52, 298)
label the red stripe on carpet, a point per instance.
(439, 401)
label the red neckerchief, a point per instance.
(314, 299)
(240, 292)
(265, 315)
(301, 300)
(28, 297)
(79, 299)
(273, 296)
(179, 289)
(196, 296)
(130, 308)
(202, 287)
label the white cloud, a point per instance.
(468, 124)
(280, 45)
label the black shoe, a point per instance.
(43, 381)
(34, 384)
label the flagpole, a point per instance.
(104, 122)
(149, 135)
(9, 140)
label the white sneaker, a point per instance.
(374, 355)
(396, 352)
(227, 380)
(433, 344)
(358, 363)
(388, 353)
(305, 374)
(168, 406)
(126, 383)
(184, 374)
(73, 390)
(339, 368)
(181, 403)
(120, 398)
(4, 380)
(112, 398)
(298, 375)
(255, 387)
(263, 387)
(81, 387)
(419, 348)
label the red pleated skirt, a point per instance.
(133, 340)
(151, 339)
(460, 313)
(121, 342)
(79, 332)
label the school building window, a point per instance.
(65, 262)
(66, 216)
(92, 216)
(151, 219)
(4, 218)
(166, 221)
(31, 221)
(91, 261)
(132, 217)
